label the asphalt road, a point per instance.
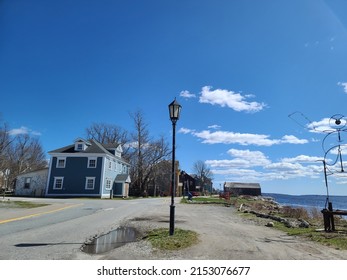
(59, 230)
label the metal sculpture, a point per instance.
(333, 146)
(333, 164)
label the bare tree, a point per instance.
(201, 169)
(204, 175)
(25, 154)
(107, 133)
(160, 181)
(5, 142)
(145, 153)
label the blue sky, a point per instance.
(238, 68)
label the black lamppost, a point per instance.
(174, 110)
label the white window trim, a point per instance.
(55, 183)
(86, 185)
(96, 162)
(61, 158)
(108, 180)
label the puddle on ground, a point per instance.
(111, 240)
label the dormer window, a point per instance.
(81, 145)
(118, 151)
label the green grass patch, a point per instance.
(205, 200)
(160, 239)
(337, 240)
(21, 204)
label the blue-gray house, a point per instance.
(88, 168)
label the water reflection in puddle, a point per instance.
(111, 240)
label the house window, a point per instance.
(79, 146)
(108, 184)
(58, 183)
(110, 165)
(90, 182)
(27, 181)
(61, 162)
(91, 162)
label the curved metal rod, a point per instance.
(338, 156)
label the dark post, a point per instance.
(173, 182)
(332, 223)
(174, 110)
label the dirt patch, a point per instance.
(223, 234)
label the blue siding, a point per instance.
(111, 174)
(75, 173)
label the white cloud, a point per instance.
(23, 130)
(284, 166)
(327, 125)
(303, 158)
(249, 166)
(187, 94)
(242, 158)
(184, 130)
(17, 131)
(226, 98)
(215, 126)
(291, 139)
(229, 137)
(344, 85)
(319, 126)
(253, 157)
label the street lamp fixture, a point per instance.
(174, 110)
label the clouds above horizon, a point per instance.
(344, 85)
(226, 98)
(247, 165)
(244, 139)
(23, 130)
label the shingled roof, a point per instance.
(94, 147)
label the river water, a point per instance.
(309, 201)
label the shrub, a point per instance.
(296, 213)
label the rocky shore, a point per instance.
(270, 209)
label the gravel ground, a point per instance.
(223, 235)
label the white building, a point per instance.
(32, 183)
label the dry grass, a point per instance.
(313, 216)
